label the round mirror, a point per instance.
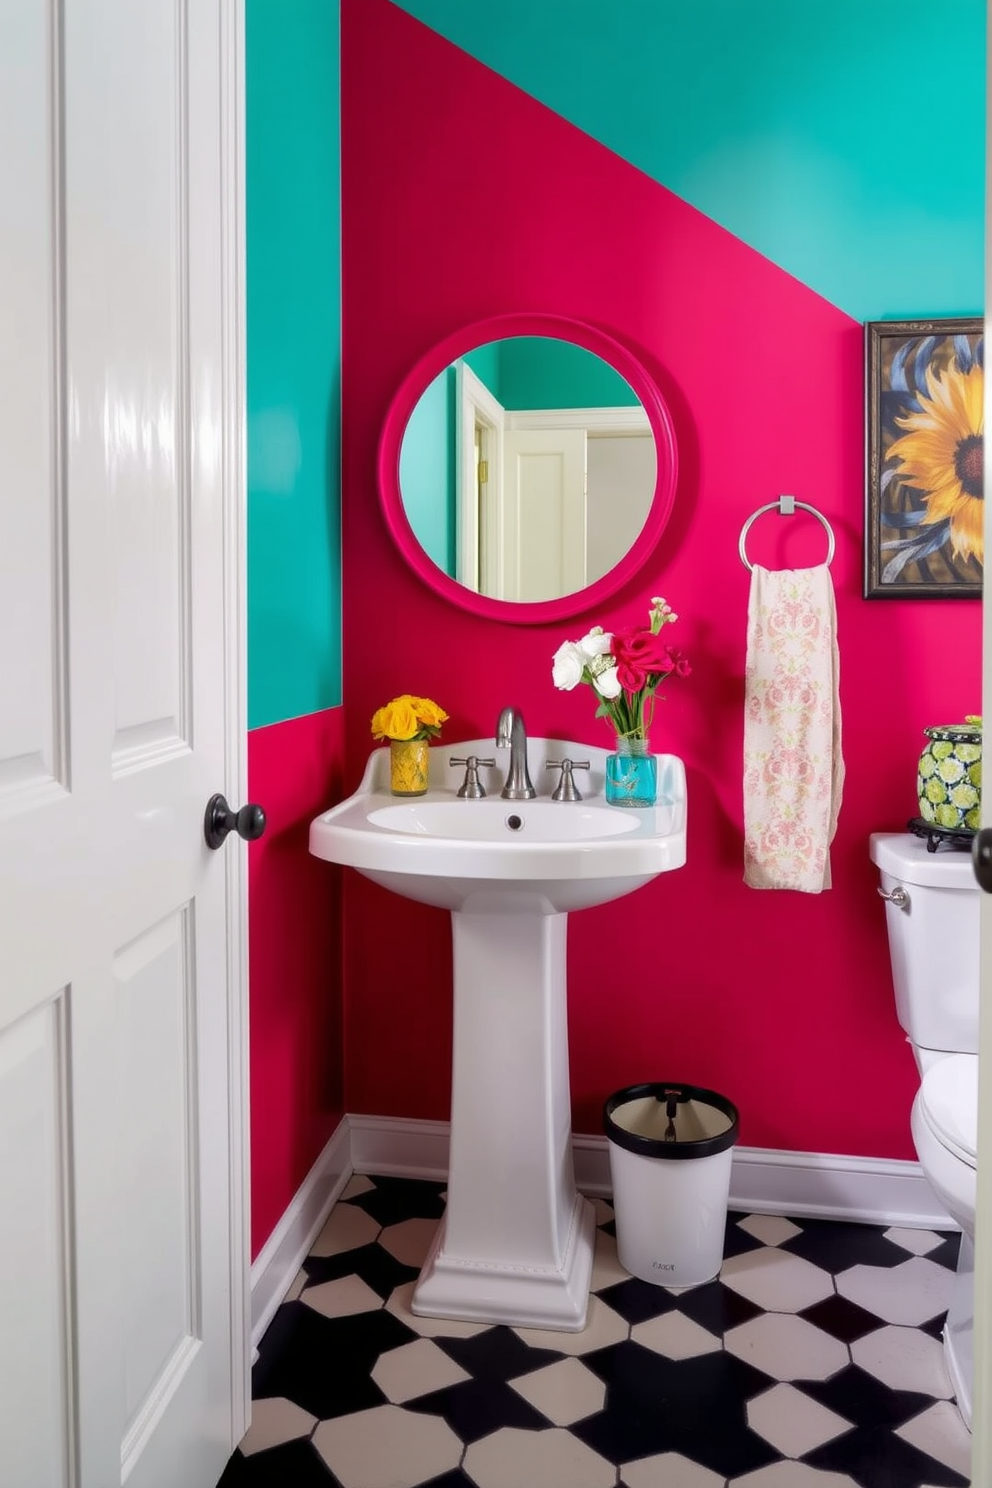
(528, 467)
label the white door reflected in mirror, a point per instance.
(528, 468)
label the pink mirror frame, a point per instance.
(403, 404)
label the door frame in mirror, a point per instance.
(448, 350)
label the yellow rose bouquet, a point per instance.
(408, 717)
(409, 723)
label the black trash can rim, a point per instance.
(663, 1091)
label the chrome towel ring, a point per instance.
(785, 506)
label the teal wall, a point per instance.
(294, 358)
(484, 361)
(539, 372)
(427, 470)
(843, 139)
(542, 372)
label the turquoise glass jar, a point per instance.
(631, 774)
(949, 777)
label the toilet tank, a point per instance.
(933, 940)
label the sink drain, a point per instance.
(514, 822)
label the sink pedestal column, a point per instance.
(516, 1243)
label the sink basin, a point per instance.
(530, 822)
(562, 855)
(517, 1239)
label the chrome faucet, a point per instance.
(511, 734)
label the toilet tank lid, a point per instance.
(907, 857)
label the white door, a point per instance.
(543, 513)
(122, 1278)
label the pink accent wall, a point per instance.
(782, 1001)
(294, 966)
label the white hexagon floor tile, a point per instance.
(904, 1359)
(603, 1326)
(770, 1229)
(676, 1336)
(415, 1369)
(792, 1475)
(347, 1228)
(410, 1240)
(341, 1298)
(274, 1421)
(668, 1470)
(387, 1445)
(565, 1392)
(357, 1184)
(912, 1292)
(787, 1347)
(776, 1280)
(512, 1456)
(429, 1327)
(793, 1423)
(940, 1432)
(920, 1242)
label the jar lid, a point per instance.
(969, 732)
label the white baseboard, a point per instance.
(865, 1190)
(274, 1268)
(817, 1185)
(827, 1185)
(392, 1147)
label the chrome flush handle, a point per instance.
(898, 897)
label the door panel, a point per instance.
(31, 529)
(35, 1420)
(157, 1114)
(543, 528)
(120, 492)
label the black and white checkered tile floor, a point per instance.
(814, 1361)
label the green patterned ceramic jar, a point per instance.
(949, 780)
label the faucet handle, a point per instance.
(566, 789)
(471, 787)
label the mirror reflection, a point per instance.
(527, 468)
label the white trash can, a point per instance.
(671, 1146)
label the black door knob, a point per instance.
(219, 819)
(981, 858)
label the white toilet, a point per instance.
(931, 911)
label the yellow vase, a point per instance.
(408, 766)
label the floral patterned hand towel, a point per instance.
(793, 767)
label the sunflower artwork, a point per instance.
(925, 490)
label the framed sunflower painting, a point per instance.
(924, 508)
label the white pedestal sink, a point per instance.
(516, 1242)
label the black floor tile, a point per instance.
(836, 1246)
(497, 1354)
(325, 1364)
(875, 1458)
(373, 1263)
(293, 1465)
(654, 1404)
(841, 1318)
(475, 1408)
(395, 1199)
